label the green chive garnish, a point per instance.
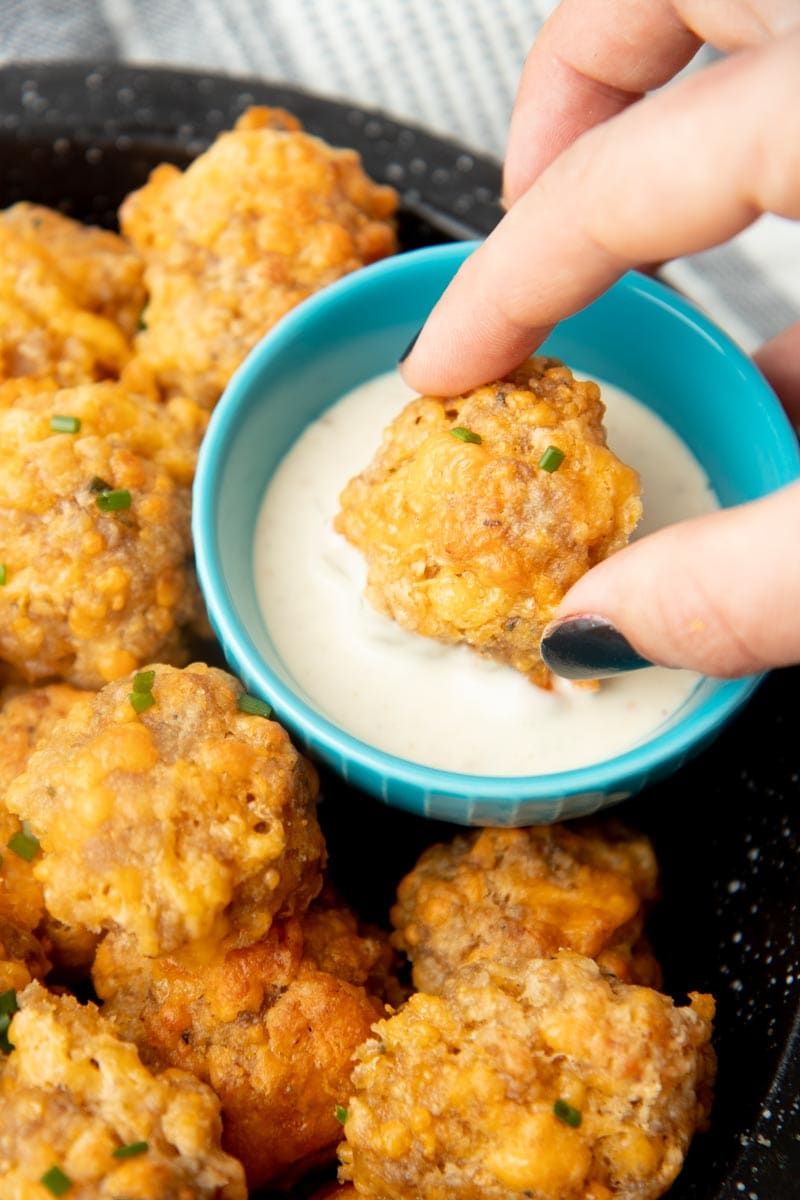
(143, 681)
(566, 1113)
(114, 501)
(56, 1181)
(131, 1150)
(62, 424)
(253, 705)
(340, 1112)
(24, 843)
(8, 1006)
(141, 701)
(3, 574)
(466, 435)
(141, 322)
(552, 459)
(99, 485)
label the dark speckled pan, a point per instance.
(725, 828)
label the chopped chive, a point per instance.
(141, 701)
(141, 322)
(552, 459)
(253, 705)
(466, 435)
(114, 501)
(8, 1006)
(99, 485)
(3, 574)
(340, 1112)
(24, 843)
(131, 1150)
(566, 1113)
(143, 681)
(56, 1181)
(62, 424)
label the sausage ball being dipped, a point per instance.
(500, 893)
(165, 810)
(266, 216)
(273, 1027)
(480, 511)
(80, 1113)
(543, 1079)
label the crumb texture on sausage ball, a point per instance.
(467, 535)
(496, 893)
(184, 821)
(93, 586)
(70, 298)
(253, 226)
(273, 1027)
(545, 1079)
(72, 1093)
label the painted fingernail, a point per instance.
(409, 347)
(588, 648)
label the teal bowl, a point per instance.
(639, 335)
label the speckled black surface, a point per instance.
(726, 828)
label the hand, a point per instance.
(598, 180)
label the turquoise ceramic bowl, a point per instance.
(639, 335)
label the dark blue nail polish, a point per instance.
(588, 648)
(409, 347)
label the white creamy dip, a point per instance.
(445, 706)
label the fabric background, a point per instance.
(449, 65)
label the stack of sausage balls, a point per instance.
(188, 1009)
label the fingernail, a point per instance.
(588, 648)
(409, 347)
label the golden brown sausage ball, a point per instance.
(468, 536)
(272, 1027)
(264, 218)
(183, 821)
(94, 531)
(545, 1079)
(496, 893)
(72, 1095)
(70, 298)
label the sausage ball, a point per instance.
(79, 1108)
(70, 298)
(264, 218)
(545, 1079)
(182, 820)
(499, 893)
(479, 512)
(95, 542)
(272, 1027)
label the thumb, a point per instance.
(719, 594)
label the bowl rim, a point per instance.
(321, 733)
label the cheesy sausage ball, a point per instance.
(271, 1026)
(78, 1108)
(544, 1079)
(499, 893)
(70, 298)
(479, 512)
(94, 531)
(187, 819)
(264, 218)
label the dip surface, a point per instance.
(441, 705)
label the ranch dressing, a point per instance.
(445, 706)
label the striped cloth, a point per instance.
(449, 65)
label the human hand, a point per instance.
(599, 180)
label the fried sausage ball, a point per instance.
(468, 537)
(72, 1094)
(499, 893)
(70, 298)
(186, 820)
(264, 218)
(543, 1078)
(94, 531)
(272, 1027)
